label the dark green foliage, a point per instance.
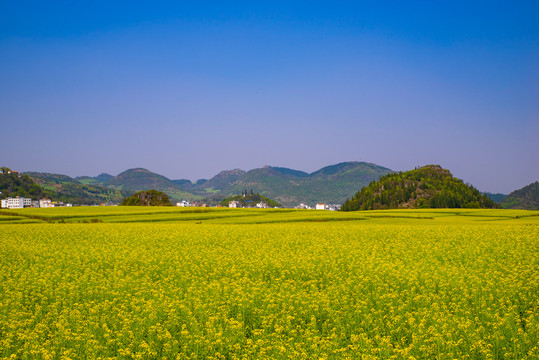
(141, 179)
(427, 187)
(250, 200)
(147, 198)
(526, 198)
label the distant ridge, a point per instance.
(331, 184)
(99, 179)
(498, 197)
(430, 186)
(103, 177)
(138, 178)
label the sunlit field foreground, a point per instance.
(167, 283)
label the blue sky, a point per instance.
(187, 89)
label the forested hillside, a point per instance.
(430, 186)
(63, 188)
(526, 198)
(12, 185)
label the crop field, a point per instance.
(197, 283)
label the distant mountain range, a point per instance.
(331, 184)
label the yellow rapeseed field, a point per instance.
(113, 283)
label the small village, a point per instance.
(262, 205)
(19, 202)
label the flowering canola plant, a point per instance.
(301, 290)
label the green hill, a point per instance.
(141, 179)
(147, 198)
(250, 200)
(220, 183)
(103, 177)
(526, 198)
(430, 186)
(135, 179)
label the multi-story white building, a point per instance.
(16, 203)
(184, 203)
(233, 204)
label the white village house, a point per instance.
(330, 207)
(45, 203)
(233, 204)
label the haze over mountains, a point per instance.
(331, 184)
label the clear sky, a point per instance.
(187, 89)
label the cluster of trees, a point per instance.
(250, 199)
(147, 198)
(425, 187)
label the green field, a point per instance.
(197, 283)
